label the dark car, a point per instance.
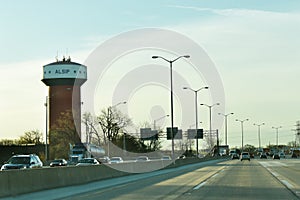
(263, 156)
(235, 156)
(276, 156)
(22, 162)
(294, 155)
(58, 163)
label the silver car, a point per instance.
(22, 162)
(87, 161)
(245, 156)
(116, 160)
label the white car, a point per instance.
(245, 156)
(142, 159)
(87, 161)
(116, 160)
(166, 158)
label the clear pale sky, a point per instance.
(254, 45)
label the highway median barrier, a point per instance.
(16, 182)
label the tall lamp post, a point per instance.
(108, 113)
(277, 134)
(210, 120)
(196, 111)
(225, 116)
(46, 139)
(242, 126)
(258, 126)
(171, 82)
(154, 121)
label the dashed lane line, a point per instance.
(199, 186)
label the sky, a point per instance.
(252, 47)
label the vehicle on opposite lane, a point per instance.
(87, 161)
(58, 163)
(105, 159)
(116, 160)
(166, 158)
(142, 159)
(22, 162)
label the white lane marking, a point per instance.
(199, 186)
(272, 163)
(274, 173)
(285, 182)
(215, 175)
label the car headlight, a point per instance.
(3, 168)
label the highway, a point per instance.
(225, 179)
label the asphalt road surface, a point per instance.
(227, 179)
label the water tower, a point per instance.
(64, 79)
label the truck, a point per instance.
(83, 150)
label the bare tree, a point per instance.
(112, 122)
(31, 137)
(93, 134)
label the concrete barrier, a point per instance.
(16, 182)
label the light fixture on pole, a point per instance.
(171, 82)
(160, 118)
(210, 120)
(258, 126)
(196, 112)
(242, 126)
(225, 116)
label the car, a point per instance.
(276, 156)
(231, 152)
(234, 156)
(58, 163)
(105, 159)
(263, 156)
(23, 162)
(181, 157)
(116, 160)
(294, 155)
(87, 161)
(142, 159)
(282, 155)
(245, 156)
(166, 158)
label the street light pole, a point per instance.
(277, 134)
(46, 139)
(210, 119)
(242, 122)
(196, 112)
(225, 116)
(258, 125)
(171, 80)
